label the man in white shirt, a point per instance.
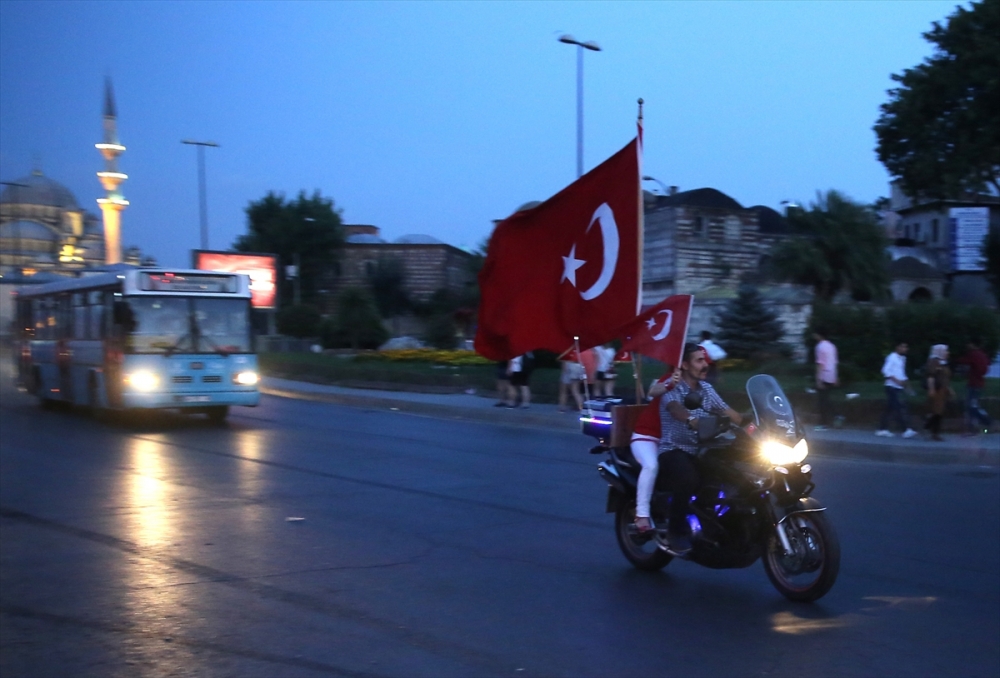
(894, 371)
(826, 375)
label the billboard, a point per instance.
(262, 269)
(969, 226)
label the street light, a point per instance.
(203, 201)
(580, 46)
(663, 186)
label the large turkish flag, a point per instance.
(567, 268)
(659, 331)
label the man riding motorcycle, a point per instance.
(679, 416)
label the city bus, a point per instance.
(140, 338)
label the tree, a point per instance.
(991, 255)
(309, 227)
(356, 324)
(299, 321)
(388, 283)
(837, 245)
(939, 133)
(748, 329)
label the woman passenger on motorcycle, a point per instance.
(645, 446)
(679, 442)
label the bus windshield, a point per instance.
(185, 325)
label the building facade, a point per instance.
(427, 264)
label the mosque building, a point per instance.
(43, 229)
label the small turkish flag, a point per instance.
(623, 357)
(659, 332)
(567, 268)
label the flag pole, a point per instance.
(586, 386)
(637, 375)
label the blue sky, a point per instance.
(438, 117)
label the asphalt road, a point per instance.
(423, 547)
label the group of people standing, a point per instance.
(935, 380)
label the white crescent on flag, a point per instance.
(662, 334)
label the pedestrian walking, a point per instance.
(520, 376)
(938, 383)
(978, 364)
(896, 386)
(504, 389)
(605, 378)
(570, 378)
(827, 378)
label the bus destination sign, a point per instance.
(187, 282)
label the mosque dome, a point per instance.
(38, 189)
(27, 230)
(418, 239)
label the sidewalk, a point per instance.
(983, 450)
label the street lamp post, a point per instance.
(202, 199)
(663, 186)
(580, 46)
(17, 222)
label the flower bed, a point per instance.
(426, 355)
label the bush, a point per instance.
(440, 331)
(865, 335)
(357, 323)
(299, 321)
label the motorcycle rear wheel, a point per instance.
(642, 552)
(811, 570)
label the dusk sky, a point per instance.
(438, 117)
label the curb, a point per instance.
(985, 454)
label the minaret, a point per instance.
(112, 204)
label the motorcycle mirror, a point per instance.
(693, 400)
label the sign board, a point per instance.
(262, 269)
(969, 226)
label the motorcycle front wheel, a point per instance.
(810, 570)
(640, 550)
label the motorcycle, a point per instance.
(754, 501)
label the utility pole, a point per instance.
(202, 197)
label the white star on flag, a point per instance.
(571, 263)
(650, 323)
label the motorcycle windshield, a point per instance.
(771, 407)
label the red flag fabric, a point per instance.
(567, 268)
(659, 332)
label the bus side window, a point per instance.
(64, 318)
(96, 303)
(123, 316)
(80, 320)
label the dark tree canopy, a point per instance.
(748, 329)
(307, 226)
(939, 133)
(837, 245)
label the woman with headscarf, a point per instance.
(938, 388)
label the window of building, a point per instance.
(698, 226)
(906, 231)
(916, 231)
(935, 231)
(733, 231)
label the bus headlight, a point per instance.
(143, 381)
(245, 378)
(779, 454)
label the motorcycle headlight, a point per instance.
(779, 454)
(246, 378)
(143, 381)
